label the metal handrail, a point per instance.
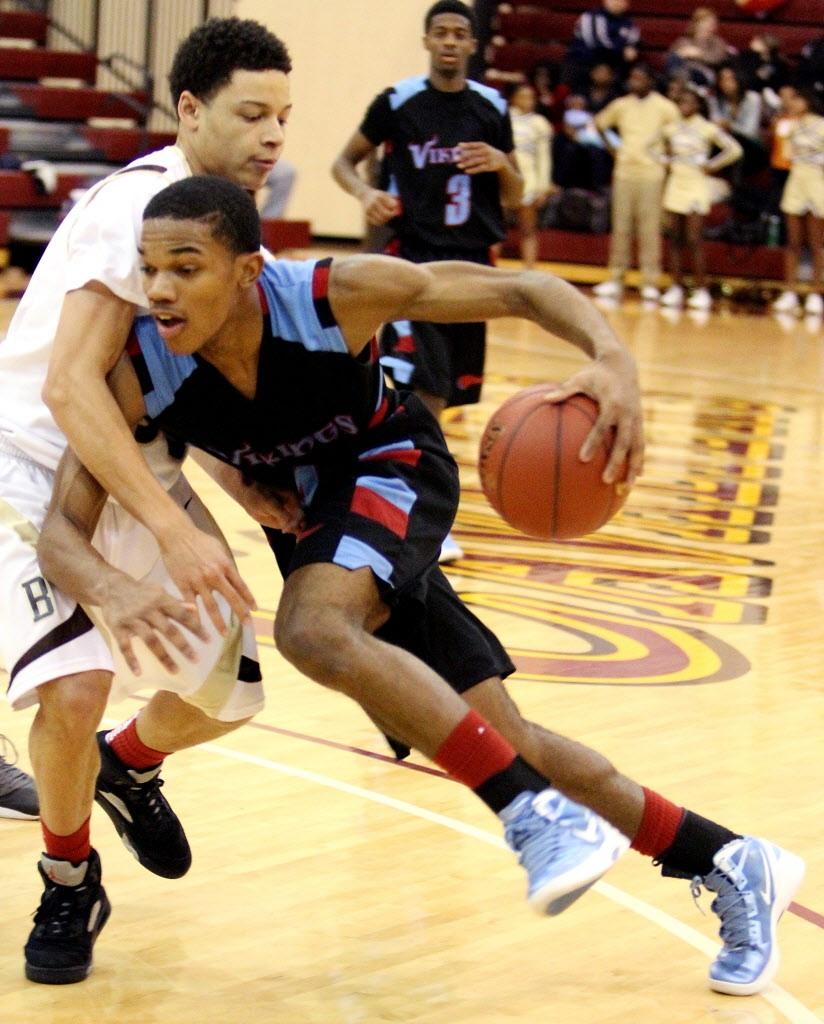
(146, 83)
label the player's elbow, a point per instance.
(528, 294)
(55, 392)
(50, 547)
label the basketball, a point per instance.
(531, 473)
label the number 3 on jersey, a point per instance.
(459, 193)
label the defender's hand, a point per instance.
(201, 566)
(147, 612)
(278, 509)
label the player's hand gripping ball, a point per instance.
(531, 471)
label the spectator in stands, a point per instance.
(738, 110)
(603, 87)
(803, 203)
(688, 194)
(550, 92)
(532, 135)
(698, 54)
(810, 71)
(781, 129)
(583, 160)
(579, 154)
(763, 67)
(637, 183)
(606, 35)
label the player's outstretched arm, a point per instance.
(94, 325)
(69, 561)
(366, 291)
(378, 206)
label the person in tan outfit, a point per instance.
(637, 182)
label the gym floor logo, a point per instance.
(648, 599)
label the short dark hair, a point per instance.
(449, 7)
(228, 210)
(208, 56)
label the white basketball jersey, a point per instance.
(96, 242)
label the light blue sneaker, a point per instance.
(754, 882)
(564, 847)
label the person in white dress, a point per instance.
(688, 194)
(802, 204)
(532, 134)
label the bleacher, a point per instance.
(528, 33)
(52, 110)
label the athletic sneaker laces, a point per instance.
(18, 795)
(754, 882)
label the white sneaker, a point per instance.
(700, 299)
(673, 297)
(451, 550)
(608, 290)
(814, 305)
(649, 293)
(787, 302)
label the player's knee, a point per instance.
(73, 706)
(317, 643)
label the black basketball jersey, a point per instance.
(315, 403)
(420, 128)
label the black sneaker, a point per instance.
(148, 826)
(72, 912)
(18, 796)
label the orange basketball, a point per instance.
(531, 473)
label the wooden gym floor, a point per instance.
(332, 886)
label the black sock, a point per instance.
(400, 750)
(696, 843)
(500, 789)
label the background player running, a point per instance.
(449, 157)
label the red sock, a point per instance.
(130, 749)
(659, 825)
(473, 752)
(74, 848)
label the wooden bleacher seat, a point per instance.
(31, 64)
(67, 104)
(24, 25)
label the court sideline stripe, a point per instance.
(786, 1004)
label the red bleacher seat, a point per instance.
(120, 145)
(17, 190)
(809, 12)
(23, 25)
(31, 64)
(80, 104)
(523, 56)
(657, 33)
(278, 235)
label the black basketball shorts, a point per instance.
(445, 360)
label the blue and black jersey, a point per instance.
(420, 128)
(315, 403)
